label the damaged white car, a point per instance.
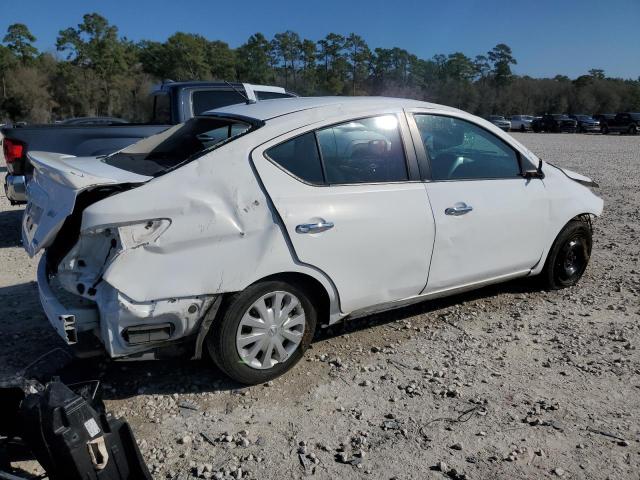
(241, 231)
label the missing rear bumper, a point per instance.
(125, 327)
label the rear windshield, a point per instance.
(177, 145)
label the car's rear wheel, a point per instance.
(522, 129)
(569, 256)
(633, 129)
(604, 129)
(263, 332)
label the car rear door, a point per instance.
(490, 221)
(353, 206)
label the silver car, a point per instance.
(521, 123)
(500, 122)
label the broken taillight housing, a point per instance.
(13, 150)
(136, 234)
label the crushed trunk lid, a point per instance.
(52, 192)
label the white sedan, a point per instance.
(241, 231)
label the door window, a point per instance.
(366, 150)
(460, 150)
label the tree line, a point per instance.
(95, 71)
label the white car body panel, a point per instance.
(230, 218)
(373, 254)
(494, 239)
(60, 178)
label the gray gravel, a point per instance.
(506, 382)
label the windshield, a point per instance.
(582, 117)
(165, 151)
(560, 117)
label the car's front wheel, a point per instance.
(569, 256)
(263, 332)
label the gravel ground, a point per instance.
(505, 382)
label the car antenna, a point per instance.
(246, 99)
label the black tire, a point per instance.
(633, 129)
(522, 129)
(569, 256)
(221, 341)
(604, 129)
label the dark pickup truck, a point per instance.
(173, 103)
(556, 122)
(628, 122)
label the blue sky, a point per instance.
(547, 37)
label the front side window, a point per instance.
(367, 150)
(177, 145)
(460, 150)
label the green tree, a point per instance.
(501, 58)
(221, 60)
(460, 67)
(359, 57)
(253, 60)
(308, 56)
(19, 41)
(287, 47)
(94, 46)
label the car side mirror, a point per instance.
(537, 173)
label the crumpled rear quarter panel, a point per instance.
(222, 237)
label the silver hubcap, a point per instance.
(270, 330)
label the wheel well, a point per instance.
(313, 287)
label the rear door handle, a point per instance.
(458, 209)
(318, 227)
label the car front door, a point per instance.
(353, 205)
(490, 221)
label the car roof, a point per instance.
(269, 109)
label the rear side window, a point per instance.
(300, 157)
(177, 145)
(205, 100)
(460, 150)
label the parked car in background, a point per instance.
(521, 123)
(628, 122)
(173, 103)
(556, 122)
(586, 123)
(241, 231)
(603, 118)
(500, 122)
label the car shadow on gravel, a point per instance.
(522, 285)
(10, 226)
(126, 379)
